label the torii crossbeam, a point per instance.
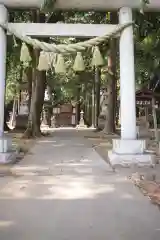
(82, 4)
(62, 29)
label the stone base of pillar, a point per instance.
(8, 158)
(92, 127)
(81, 126)
(7, 155)
(129, 146)
(130, 152)
(5, 145)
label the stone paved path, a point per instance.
(67, 192)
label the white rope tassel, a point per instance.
(60, 65)
(25, 54)
(43, 62)
(79, 65)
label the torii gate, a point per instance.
(127, 150)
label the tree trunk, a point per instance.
(38, 82)
(112, 84)
(13, 116)
(29, 81)
(111, 90)
(6, 113)
(38, 90)
(49, 90)
(37, 100)
(97, 89)
(78, 105)
(93, 105)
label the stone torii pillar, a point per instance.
(5, 144)
(128, 150)
(3, 50)
(127, 78)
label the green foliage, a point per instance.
(143, 4)
(147, 42)
(48, 6)
(13, 76)
(13, 66)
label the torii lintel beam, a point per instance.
(82, 4)
(62, 29)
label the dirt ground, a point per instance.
(101, 142)
(21, 146)
(147, 179)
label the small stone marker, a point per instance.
(81, 122)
